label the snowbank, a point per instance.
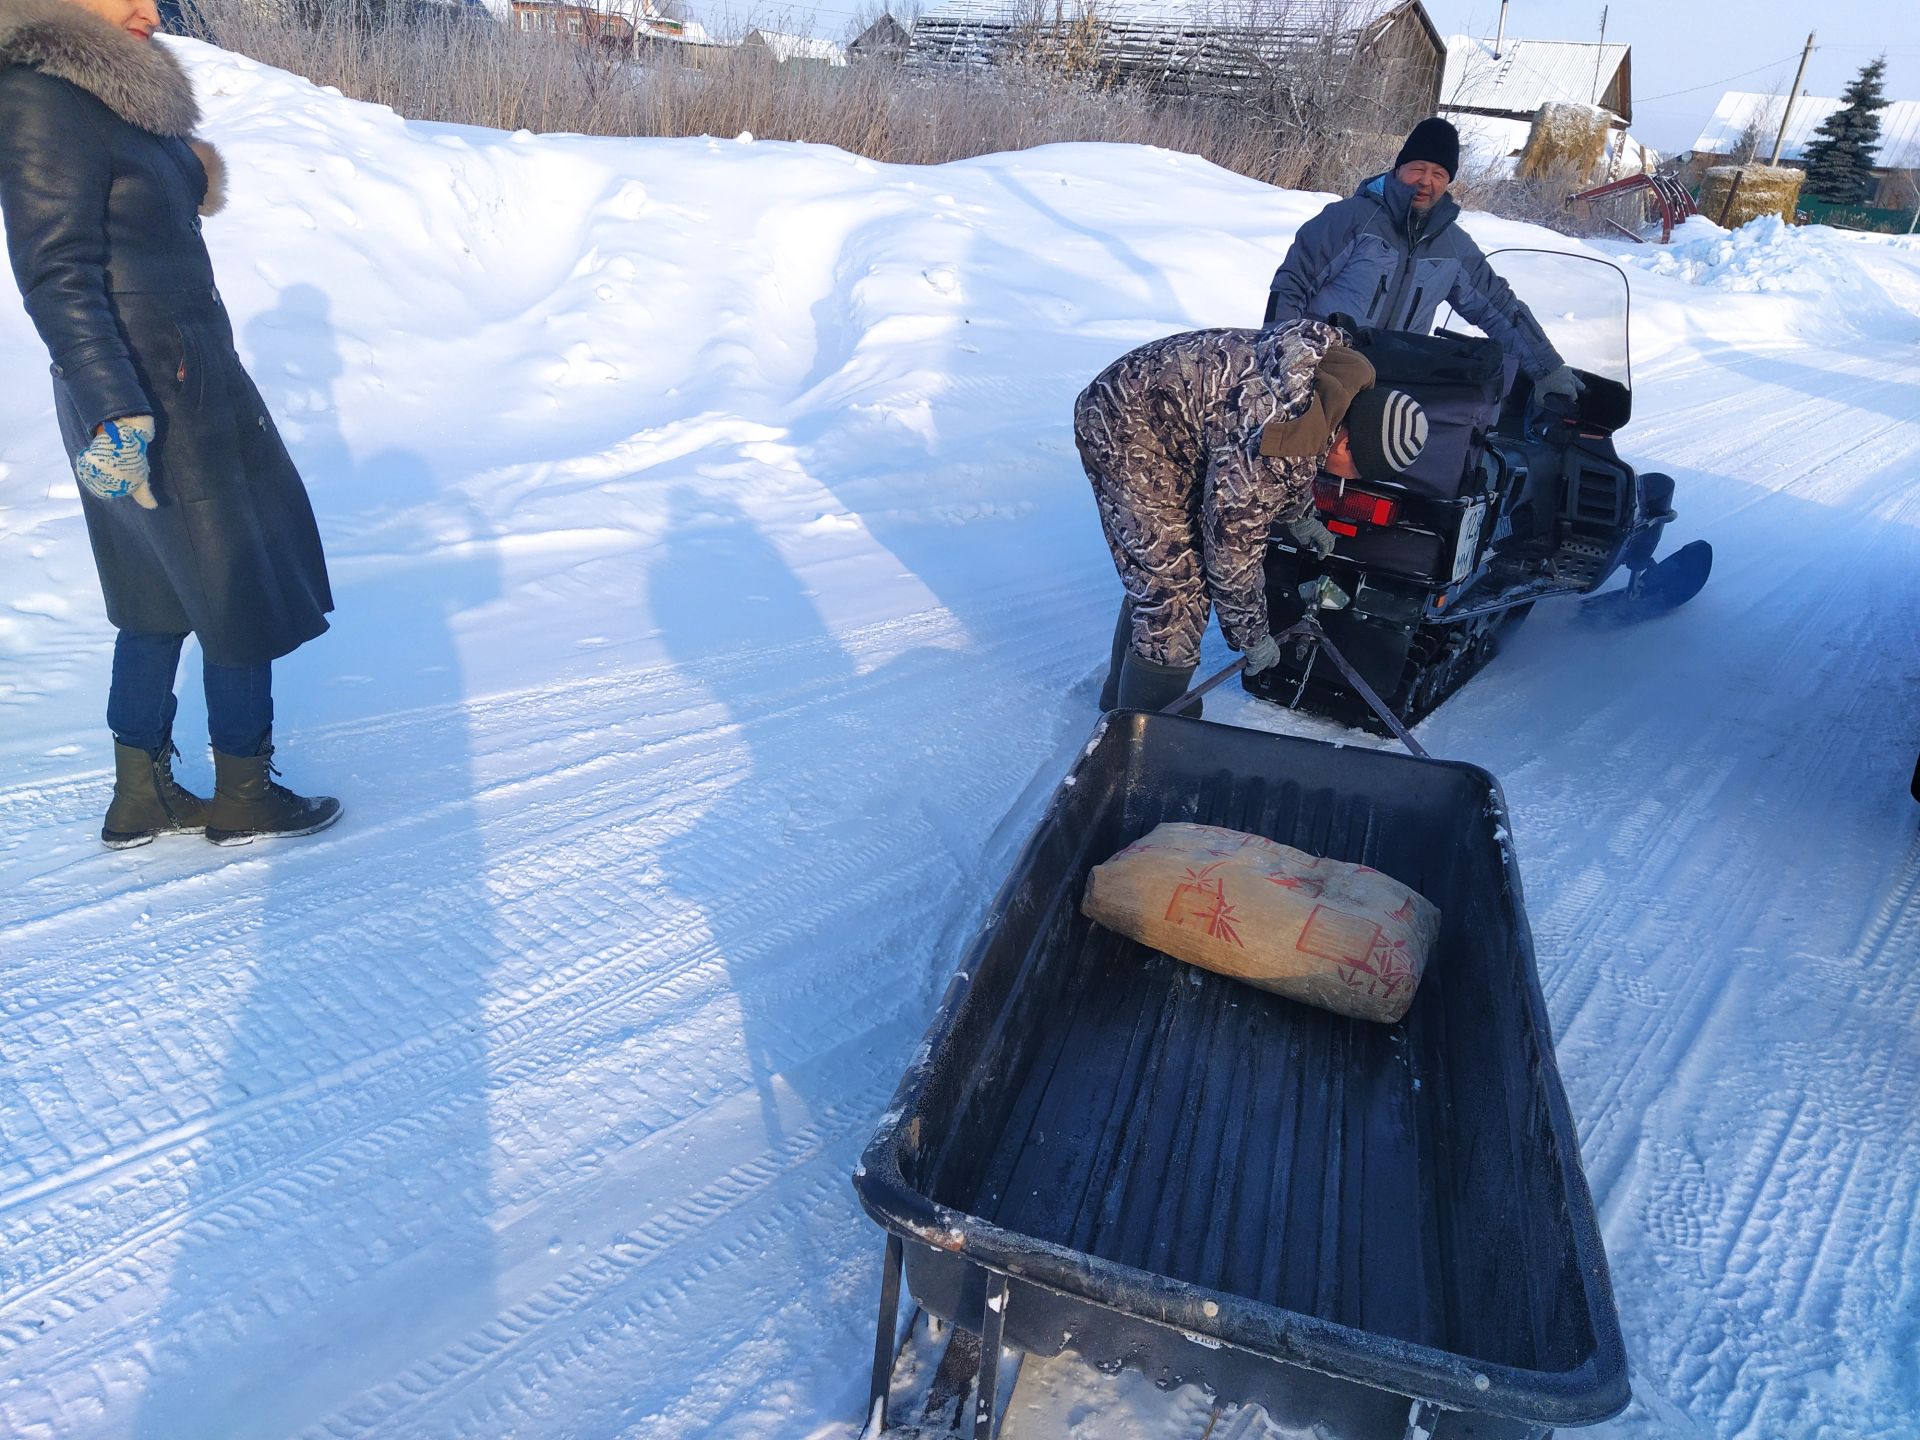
(1834, 286)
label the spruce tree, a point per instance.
(1840, 161)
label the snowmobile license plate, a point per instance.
(1468, 545)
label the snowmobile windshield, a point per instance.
(1580, 301)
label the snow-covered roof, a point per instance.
(799, 47)
(1899, 127)
(1525, 74)
(1292, 16)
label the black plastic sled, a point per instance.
(1381, 1230)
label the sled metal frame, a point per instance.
(989, 1324)
(1423, 1416)
(1307, 631)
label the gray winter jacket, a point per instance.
(1371, 256)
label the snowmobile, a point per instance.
(1512, 502)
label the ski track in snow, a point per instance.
(690, 697)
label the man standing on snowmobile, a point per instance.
(1196, 446)
(1389, 253)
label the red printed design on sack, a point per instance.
(1337, 936)
(1386, 970)
(1200, 903)
(1362, 955)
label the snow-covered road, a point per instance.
(720, 597)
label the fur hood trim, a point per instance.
(139, 81)
(215, 200)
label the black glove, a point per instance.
(1560, 384)
(1310, 535)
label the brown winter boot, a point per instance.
(247, 805)
(147, 800)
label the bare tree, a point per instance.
(1756, 136)
(1903, 192)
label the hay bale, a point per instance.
(1567, 142)
(1764, 190)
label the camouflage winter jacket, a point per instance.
(1170, 435)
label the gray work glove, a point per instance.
(1263, 654)
(1309, 534)
(115, 464)
(1562, 383)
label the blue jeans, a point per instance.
(140, 704)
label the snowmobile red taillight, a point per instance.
(1357, 507)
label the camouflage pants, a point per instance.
(1152, 525)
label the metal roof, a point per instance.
(1525, 74)
(1899, 147)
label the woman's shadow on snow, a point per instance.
(732, 614)
(336, 1224)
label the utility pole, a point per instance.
(1792, 95)
(1599, 54)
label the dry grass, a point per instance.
(429, 62)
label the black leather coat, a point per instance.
(103, 233)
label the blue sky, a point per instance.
(1704, 49)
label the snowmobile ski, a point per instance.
(1659, 588)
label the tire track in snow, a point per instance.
(335, 1154)
(539, 1335)
(1674, 797)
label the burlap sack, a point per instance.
(1339, 936)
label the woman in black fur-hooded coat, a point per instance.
(198, 518)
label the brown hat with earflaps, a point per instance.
(1342, 374)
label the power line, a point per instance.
(1693, 89)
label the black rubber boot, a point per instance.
(247, 804)
(1122, 635)
(1147, 686)
(147, 800)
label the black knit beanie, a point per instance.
(1387, 430)
(1433, 140)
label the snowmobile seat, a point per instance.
(1459, 381)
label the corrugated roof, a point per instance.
(1286, 16)
(1528, 73)
(1899, 127)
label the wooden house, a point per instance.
(1253, 51)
